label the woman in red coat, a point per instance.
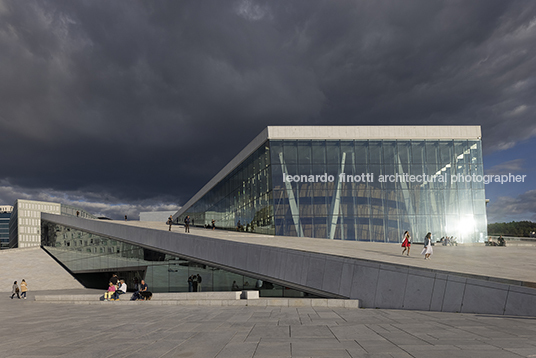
(406, 244)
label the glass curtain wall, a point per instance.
(242, 196)
(344, 190)
(92, 259)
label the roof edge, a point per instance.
(239, 158)
(412, 132)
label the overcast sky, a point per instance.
(128, 106)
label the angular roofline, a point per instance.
(239, 158)
(337, 133)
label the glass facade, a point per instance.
(93, 258)
(375, 190)
(366, 190)
(244, 195)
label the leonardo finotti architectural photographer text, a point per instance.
(404, 178)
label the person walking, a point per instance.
(15, 290)
(170, 222)
(187, 224)
(406, 243)
(23, 289)
(213, 224)
(427, 251)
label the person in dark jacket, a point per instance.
(187, 224)
(170, 222)
(15, 290)
(194, 282)
(199, 280)
(190, 283)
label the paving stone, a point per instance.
(155, 349)
(38, 329)
(527, 352)
(259, 332)
(310, 332)
(378, 346)
(463, 354)
(353, 348)
(236, 350)
(272, 349)
(321, 349)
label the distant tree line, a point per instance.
(514, 228)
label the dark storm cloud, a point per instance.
(139, 100)
(97, 203)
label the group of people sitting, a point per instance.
(448, 241)
(116, 288)
(500, 242)
(142, 292)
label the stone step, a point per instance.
(261, 302)
(226, 295)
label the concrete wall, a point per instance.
(35, 266)
(375, 284)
